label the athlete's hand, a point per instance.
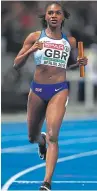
(37, 45)
(82, 61)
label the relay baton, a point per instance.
(81, 55)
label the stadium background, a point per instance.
(21, 18)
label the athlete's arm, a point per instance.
(79, 62)
(30, 45)
(74, 61)
(72, 42)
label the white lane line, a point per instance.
(56, 182)
(20, 149)
(28, 148)
(13, 178)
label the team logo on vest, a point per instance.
(54, 46)
(38, 89)
(66, 48)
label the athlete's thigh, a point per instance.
(36, 109)
(55, 112)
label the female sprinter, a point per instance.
(48, 94)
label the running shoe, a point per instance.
(45, 186)
(42, 148)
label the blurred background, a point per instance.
(18, 19)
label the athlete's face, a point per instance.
(54, 15)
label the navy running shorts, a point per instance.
(47, 91)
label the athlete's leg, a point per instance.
(36, 109)
(54, 115)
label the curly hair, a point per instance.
(65, 12)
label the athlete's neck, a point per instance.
(54, 32)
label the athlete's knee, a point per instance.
(52, 138)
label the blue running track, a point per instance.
(77, 164)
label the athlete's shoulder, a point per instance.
(32, 37)
(72, 41)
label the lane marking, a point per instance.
(28, 148)
(13, 178)
(56, 182)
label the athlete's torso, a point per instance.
(52, 60)
(54, 52)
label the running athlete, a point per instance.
(48, 94)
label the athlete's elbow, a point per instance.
(16, 60)
(15, 65)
